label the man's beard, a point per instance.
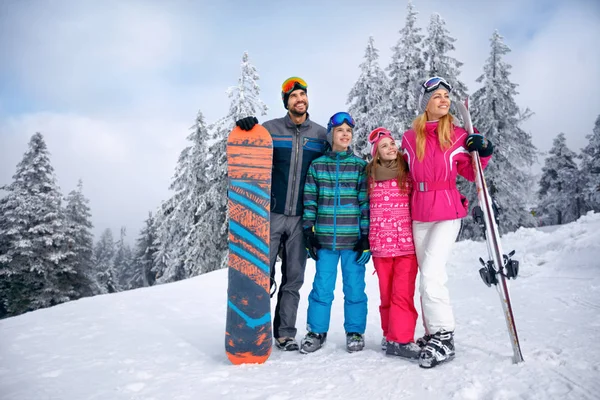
(299, 114)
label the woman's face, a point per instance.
(439, 104)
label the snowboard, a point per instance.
(248, 336)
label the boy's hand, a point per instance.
(311, 243)
(363, 250)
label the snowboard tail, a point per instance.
(248, 336)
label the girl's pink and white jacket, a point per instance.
(434, 196)
(390, 224)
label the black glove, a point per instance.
(247, 123)
(484, 147)
(311, 243)
(363, 250)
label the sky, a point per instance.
(167, 341)
(114, 86)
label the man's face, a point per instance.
(298, 103)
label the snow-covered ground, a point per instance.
(167, 342)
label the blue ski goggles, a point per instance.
(338, 119)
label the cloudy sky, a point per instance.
(115, 85)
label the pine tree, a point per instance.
(560, 191)
(438, 44)
(497, 116)
(123, 262)
(176, 220)
(212, 226)
(32, 236)
(368, 99)
(104, 257)
(145, 252)
(590, 169)
(81, 242)
(405, 71)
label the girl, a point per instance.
(436, 151)
(391, 239)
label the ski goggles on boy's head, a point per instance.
(292, 84)
(377, 133)
(434, 83)
(338, 119)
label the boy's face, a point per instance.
(341, 137)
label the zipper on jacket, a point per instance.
(336, 199)
(295, 169)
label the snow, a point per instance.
(167, 341)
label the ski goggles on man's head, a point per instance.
(377, 133)
(434, 83)
(338, 119)
(293, 83)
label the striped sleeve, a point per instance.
(363, 202)
(311, 197)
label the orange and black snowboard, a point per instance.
(248, 328)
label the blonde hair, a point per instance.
(402, 170)
(445, 132)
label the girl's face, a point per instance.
(342, 136)
(387, 149)
(439, 104)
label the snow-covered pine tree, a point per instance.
(405, 71)
(81, 242)
(497, 116)
(144, 255)
(368, 100)
(213, 223)
(175, 223)
(33, 247)
(104, 257)
(123, 262)
(438, 44)
(560, 193)
(590, 169)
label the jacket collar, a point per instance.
(341, 155)
(290, 124)
(431, 126)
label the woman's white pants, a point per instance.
(433, 244)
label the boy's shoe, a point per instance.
(384, 344)
(422, 341)
(439, 349)
(409, 350)
(312, 342)
(354, 342)
(286, 344)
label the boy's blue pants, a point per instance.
(321, 295)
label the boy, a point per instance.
(336, 225)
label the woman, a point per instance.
(436, 150)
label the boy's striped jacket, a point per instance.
(336, 201)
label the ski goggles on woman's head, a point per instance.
(339, 118)
(293, 83)
(377, 133)
(434, 83)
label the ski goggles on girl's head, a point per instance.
(434, 83)
(339, 118)
(377, 133)
(293, 83)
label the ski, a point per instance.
(500, 267)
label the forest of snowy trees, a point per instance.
(47, 251)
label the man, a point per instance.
(297, 141)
